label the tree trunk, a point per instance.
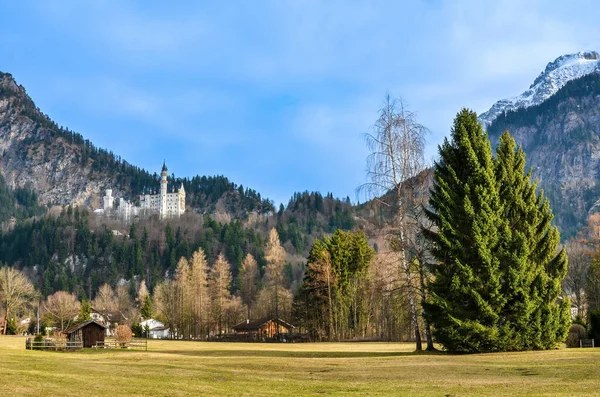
(430, 346)
(330, 308)
(411, 295)
(5, 322)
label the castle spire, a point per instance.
(164, 168)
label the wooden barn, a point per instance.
(269, 327)
(89, 332)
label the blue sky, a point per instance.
(276, 95)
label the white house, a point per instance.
(157, 330)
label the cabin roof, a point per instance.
(256, 324)
(83, 324)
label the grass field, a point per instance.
(175, 368)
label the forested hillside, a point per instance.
(77, 251)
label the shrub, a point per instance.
(123, 335)
(12, 327)
(576, 332)
(38, 339)
(59, 339)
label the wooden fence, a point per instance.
(111, 343)
(50, 344)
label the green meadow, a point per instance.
(177, 368)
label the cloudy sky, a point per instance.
(276, 95)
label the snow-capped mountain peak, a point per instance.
(554, 77)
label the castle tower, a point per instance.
(163, 190)
(108, 200)
(181, 199)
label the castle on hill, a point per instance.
(166, 204)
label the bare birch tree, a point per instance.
(396, 159)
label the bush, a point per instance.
(12, 327)
(59, 339)
(38, 339)
(576, 332)
(123, 335)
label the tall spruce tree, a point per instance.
(532, 268)
(466, 291)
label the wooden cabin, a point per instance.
(90, 332)
(270, 327)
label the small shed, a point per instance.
(89, 332)
(268, 327)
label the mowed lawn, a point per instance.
(175, 368)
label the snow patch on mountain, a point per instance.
(564, 69)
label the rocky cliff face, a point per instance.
(35, 153)
(561, 137)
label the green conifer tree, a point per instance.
(466, 290)
(532, 268)
(85, 311)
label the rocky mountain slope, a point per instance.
(561, 137)
(38, 155)
(62, 167)
(558, 73)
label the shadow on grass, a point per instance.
(292, 354)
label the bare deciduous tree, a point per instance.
(16, 291)
(249, 282)
(61, 308)
(184, 298)
(394, 166)
(199, 281)
(580, 258)
(105, 302)
(220, 280)
(123, 335)
(275, 256)
(142, 293)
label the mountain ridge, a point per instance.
(556, 74)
